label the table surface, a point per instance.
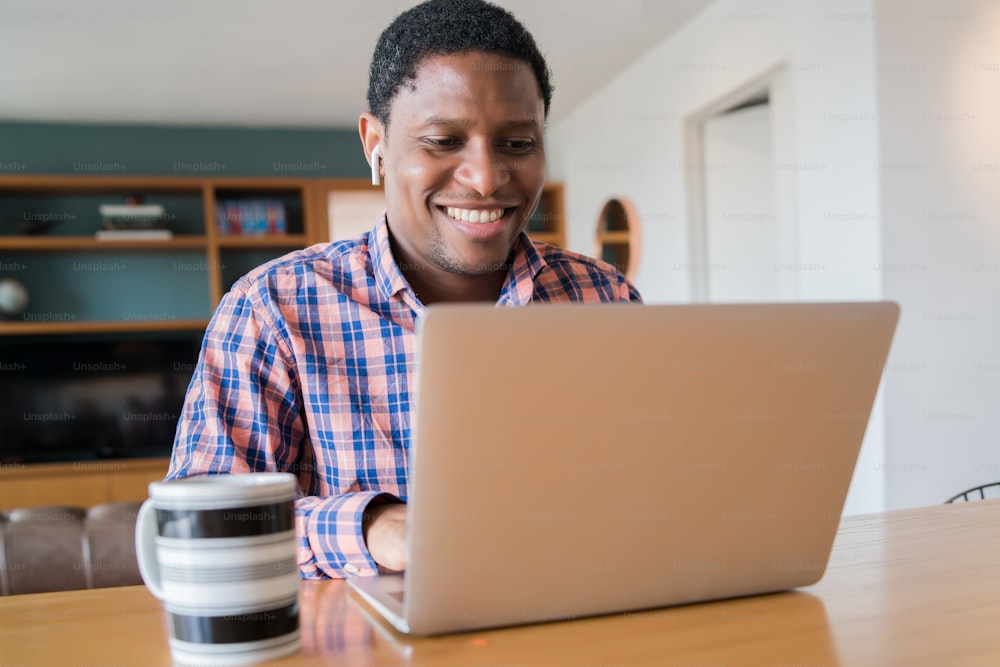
(911, 587)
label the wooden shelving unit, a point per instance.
(99, 327)
(549, 224)
(198, 245)
(81, 243)
(185, 277)
(618, 235)
(158, 287)
(79, 483)
(197, 242)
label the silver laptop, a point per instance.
(578, 460)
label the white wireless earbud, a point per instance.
(375, 157)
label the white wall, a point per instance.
(628, 140)
(939, 120)
(895, 170)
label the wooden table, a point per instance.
(913, 587)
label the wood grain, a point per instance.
(913, 587)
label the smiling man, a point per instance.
(307, 363)
(463, 157)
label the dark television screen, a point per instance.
(72, 398)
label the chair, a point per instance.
(983, 492)
(60, 548)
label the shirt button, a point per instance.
(350, 569)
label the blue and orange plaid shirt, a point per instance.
(306, 368)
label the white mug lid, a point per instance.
(224, 490)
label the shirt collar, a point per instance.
(526, 263)
(388, 277)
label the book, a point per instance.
(129, 210)
(250, 217)
(134, 234)
(132, 217)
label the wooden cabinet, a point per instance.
(618, 235)
(78, 283)
(86, 291)
(548, 224)
(68, 399)
(80, 483)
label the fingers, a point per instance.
(385, 536)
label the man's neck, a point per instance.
(435, 286)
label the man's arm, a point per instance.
(335, 537)
(242, 413)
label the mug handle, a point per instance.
(145, 548)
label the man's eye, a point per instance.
(519, 145)
(441, 142)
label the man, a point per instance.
(306, 364)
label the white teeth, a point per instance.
(475, 215)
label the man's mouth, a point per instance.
(475, 216)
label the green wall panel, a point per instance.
(51, 148)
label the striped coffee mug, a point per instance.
(220, 552)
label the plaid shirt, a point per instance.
(306, 366)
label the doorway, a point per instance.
(742, 233)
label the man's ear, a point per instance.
(371, 132)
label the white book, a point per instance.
(134, 234)
(131, 210)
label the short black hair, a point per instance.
(439, 27)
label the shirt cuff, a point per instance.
(331, 543)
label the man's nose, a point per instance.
(482, 169)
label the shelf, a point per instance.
(87, 292)
(76, 183)
(80, 483)
(68, 184)
(617, 237)
(78, 282)
(18, 328)
(554, 238)
(546, 224)
(43, 470)
(273, 241)
(341, 216)
(89, 243)
(614, 237)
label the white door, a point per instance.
(353, 212)
(741, 240)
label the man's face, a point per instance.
(464, 163)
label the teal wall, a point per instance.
(108, 285)
(50, 148)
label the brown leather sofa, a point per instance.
(58, 548)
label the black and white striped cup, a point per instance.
(220, 552)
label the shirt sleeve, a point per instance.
(562, 275)
(331, 543)
(242, 413)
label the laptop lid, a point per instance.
(571, 460)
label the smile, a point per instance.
(476, 216)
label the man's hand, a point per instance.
(384, 530)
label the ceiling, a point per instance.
(294, 63)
